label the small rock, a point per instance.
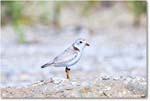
(75, 84)
(107, 88)
(105, 94)
(57, 80)
(116, 78)
(105, 77)
(124, 92)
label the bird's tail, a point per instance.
(47, 64)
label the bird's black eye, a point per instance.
(80, 41)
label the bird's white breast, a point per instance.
(75, 60)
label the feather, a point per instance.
(67, 56)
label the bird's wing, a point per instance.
(68, 55)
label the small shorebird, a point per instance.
(69, 57)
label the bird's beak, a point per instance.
(87, 44)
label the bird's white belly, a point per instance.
(74, 61)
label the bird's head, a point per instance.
(80, 44)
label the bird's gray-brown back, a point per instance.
(68, 55)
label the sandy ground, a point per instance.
(100, 86)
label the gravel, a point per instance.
(95, 88)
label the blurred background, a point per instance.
(33, 33)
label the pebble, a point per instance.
(104, 76)
(116, 78)
(75, 83)
(85, 84)
(57, 80)
(107, 88)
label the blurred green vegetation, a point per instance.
(58, 5)
(88, 6)
(13, 12)
(138, 8)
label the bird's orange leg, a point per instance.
(67, 73)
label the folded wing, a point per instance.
(67, 56)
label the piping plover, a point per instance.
(69, 57)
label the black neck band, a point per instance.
(76, 48)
